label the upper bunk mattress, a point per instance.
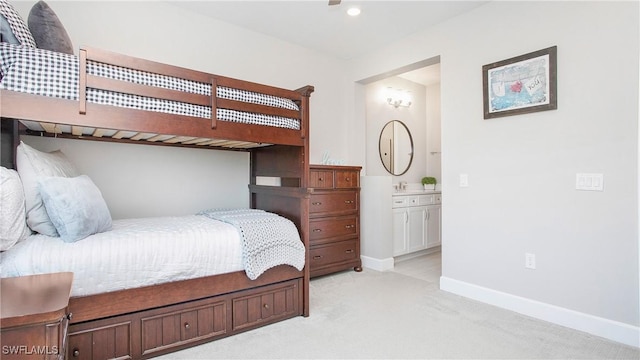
(42, 72)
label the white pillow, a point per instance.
(33, 165)
(75, 206)
(13, 226)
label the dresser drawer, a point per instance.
(347, 179)
(339, 201)
(327, 228)
(333, 253)
(321, 179)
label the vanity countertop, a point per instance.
(415, 192)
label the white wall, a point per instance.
(379, 113)
(434, 135)
(140, 181)
(522, 169)
(376, 231)
(164, 33)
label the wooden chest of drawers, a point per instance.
(334, 219)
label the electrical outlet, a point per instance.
(530, 261)
(464, 180)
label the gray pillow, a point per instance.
(75, 206)
(47, 30)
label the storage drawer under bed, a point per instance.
(271, 304)
(153, 332)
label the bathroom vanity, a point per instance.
(417, 219)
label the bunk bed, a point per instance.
(155, 104)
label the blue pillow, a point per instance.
(6, 35)
(18, 28)
(75, 206)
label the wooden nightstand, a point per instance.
(34, 316)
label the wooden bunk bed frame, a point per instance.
(153, 320)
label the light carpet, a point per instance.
(388, 315)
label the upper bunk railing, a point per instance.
(87, 54)
(99, 116)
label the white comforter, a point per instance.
(137, 252)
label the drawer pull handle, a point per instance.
(317, 257)
(319, 179)
(316, 203)
(317, 230)
(187, 326)
(347, 179)
(266, 306)
(348, 251)
(349, 226)
(348, 201)
(76, 352)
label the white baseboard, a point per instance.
(377, 264)
(608, 329)
(416, 254)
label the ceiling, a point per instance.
(328, 29)
(425, 75)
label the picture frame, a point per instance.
(520, 85)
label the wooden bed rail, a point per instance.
(129, 62)
(120, 302)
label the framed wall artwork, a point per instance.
(520, 85)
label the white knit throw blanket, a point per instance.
(268, 239)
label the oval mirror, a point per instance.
(396, 147)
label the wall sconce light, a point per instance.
(398, 97)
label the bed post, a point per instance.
(291, 199)
(304, 183)
(9, 140)
(304, 127)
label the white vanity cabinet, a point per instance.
(416, 222)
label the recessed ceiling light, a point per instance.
(354, 11)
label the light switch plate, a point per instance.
(589, 182)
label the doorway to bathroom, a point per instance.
(409, 96)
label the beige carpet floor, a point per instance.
(402, 314)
